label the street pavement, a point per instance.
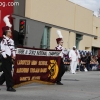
(80, 86)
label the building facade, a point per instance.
(78, 25)
(44, 17)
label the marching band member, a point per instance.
(60, 47)
(8, 52)
(74, 57)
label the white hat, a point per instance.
(74, 46)
(60, 37)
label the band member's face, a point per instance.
(9, 34)
(61, 43)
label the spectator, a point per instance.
(94, 63)
(83, 63)
(66, 59)
(98, 59)
(88, 59)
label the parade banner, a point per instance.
(34, 65)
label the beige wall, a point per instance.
(68, 15)
(72, 39)
(61, 13)
(54, 35)
(68, 38)
(57, 12)
(86, 43)
(83, 20)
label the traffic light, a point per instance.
(22, 31)
(22, 26)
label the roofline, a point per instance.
(81, 6)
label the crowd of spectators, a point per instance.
(87, 61)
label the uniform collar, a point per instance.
(6, 37)
(59, 45)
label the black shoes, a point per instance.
(59, 83)
(11, 89)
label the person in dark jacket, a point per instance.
(88, 59)
(83, 63)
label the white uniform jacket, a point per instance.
(73, 55)
(7, 47)
(59, 47)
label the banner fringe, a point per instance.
(33, 81)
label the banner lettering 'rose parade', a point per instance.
(34, 65)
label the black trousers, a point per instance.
(7, 75)
(61, 71)
(88, 67)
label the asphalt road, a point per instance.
(81, 86)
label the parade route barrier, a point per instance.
(36, 65)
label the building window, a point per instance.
(95, 50)
(87, 48)
(78, 39)
(45, 41)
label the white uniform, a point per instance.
(59, 47)
(74, 55)
(7, 47)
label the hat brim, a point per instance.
(74, 46)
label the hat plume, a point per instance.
(7, 22)
(59, 34)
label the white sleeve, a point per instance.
(3, 49)
(13, 48)
(70, 55)
(78, 54)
